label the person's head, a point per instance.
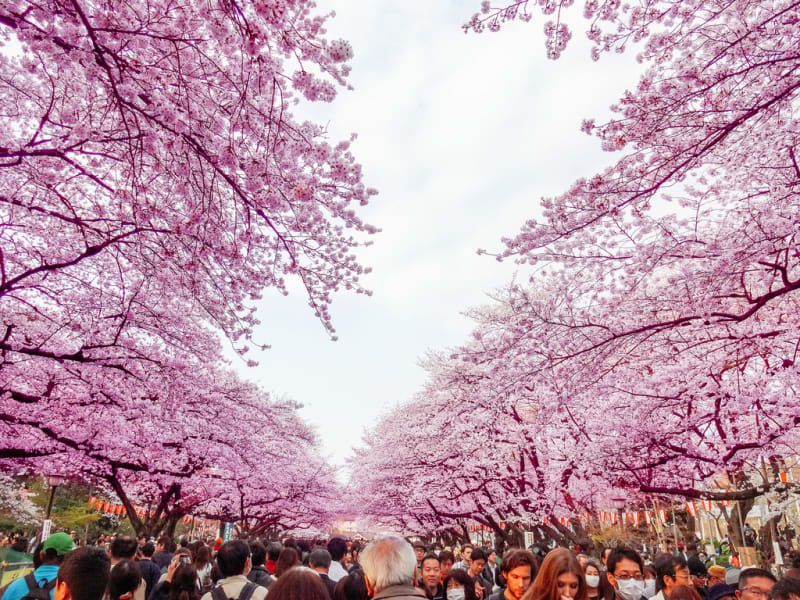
(298, 583)
(337, 547)
(288, 558)
(755, 584)
(591, 571)
(697, 571)
(184, 584)
(787, 588)
(491, 557)
(604, 553)
(419, 550)
(446, 560)
(722, 591)
(320, 560)
(459, 586)
(716, 575)
(123, 547)
(518, 569)
(560, 576)
(148, 550)
(125, 577)
(388, 561)
(582, 560)
(202, 556)
(684, 592)
(478, 561)
(55, 548)
(166, 544)
(233, 558)
(351, 587)
(83, 574)
(625, 573)
(466, 553)
(274, 551)
(258, 554)
(431, 571)
(671, 570)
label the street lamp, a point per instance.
(53, 481)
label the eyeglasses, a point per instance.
(626, 576)
(754, 591)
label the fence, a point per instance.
(9, 571)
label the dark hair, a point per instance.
(124, 578)
(556, 563)
(684, 592)
(319, 557)
(258, 554)
(168, 543)
(184, 584)
(786, 589)
(337, 547)
(621, 552)
(518, 558)
(467, 545)
(651, 570)
(351, 587)
(148, 549)
(298, 584)
(752, 573)
(85, 571)
(478, 554)
(288, 558)
(430, 556)
(462, 577)
(202, 556)
(123, 546)
(232, 557)
(274, 550)
(420, 546)
(49, 556)
(665, 566)
(446, 555)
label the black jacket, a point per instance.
(330, 584)
(260, 576)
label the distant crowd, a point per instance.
(124, 568)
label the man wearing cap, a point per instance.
(53, 551)
(716, 575)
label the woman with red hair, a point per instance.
(560, 578)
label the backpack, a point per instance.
(247, 592)
(34, 591)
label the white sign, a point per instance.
(776, 548)
(47, 525)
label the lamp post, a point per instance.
(53, 481)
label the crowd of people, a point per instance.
(125, 568)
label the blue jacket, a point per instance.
(44, 575)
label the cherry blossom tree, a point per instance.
(651, 340)
(155, 181)
(195, 444)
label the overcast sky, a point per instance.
(462, 134)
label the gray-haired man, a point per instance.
(389, 564)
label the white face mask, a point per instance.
(593, 580)
(649, 587)
(630, 589)
(455, 594)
